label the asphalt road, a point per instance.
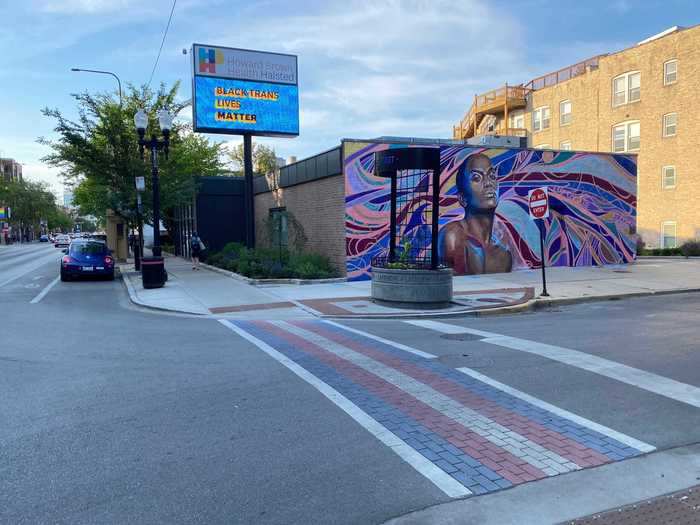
(114, 414)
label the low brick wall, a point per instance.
(319, 206)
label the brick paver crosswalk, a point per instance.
(483, 437)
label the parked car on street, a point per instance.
(87, 257)
(99, 236)
(44, 238)
(61, 241)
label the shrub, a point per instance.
(311, 266)
(233, 249)
(691, 248)
(272, 263)
(663, 252)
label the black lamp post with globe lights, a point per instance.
(152, 268)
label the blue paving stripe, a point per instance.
(576, 432)
(423, 440)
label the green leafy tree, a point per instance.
(264, 158)
(98, 153)
(32, 202)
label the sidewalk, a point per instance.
(206, 292)
(681, 508)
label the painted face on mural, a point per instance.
(478, 184)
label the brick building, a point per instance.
(307, 196)
(10, 170)
(641, 99)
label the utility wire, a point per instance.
(165, 34)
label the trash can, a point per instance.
(153, 272)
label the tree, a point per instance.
(32, 202)
(264, 158)
(99, 154)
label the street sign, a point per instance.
(538, 202)
(140, 184)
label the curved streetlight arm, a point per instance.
(119, 82)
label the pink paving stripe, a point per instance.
(532, 430)
(500, 461)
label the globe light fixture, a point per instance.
(141, 122)
(165, 119)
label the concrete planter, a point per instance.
(419, 289)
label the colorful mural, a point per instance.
(592, 201)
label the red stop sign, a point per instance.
(538, 201)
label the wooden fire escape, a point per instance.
(497, 103)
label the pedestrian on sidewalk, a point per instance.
(197, 246)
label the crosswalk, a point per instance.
(648, 381)
(465, 432)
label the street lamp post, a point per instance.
(119, 82)
(138, 246)
(153, 271)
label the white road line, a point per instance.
(46, 290)
(450, 486)
(622, 438)
(648, 381)
(382, 340)
(447, 328)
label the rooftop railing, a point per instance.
(567, 73)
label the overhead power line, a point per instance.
(162, 42)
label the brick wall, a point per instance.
(319, 206)
(594, 117)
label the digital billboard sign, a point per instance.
(238, 91)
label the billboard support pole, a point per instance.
(249, 195)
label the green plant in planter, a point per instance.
(405, 252)
(404, 260)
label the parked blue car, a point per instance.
(87, 257)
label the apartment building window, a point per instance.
(668, 234)
(517, 120)
(627, 88)
(626, 136)
(668, 177)
(564, 112)
(565, 145)
(670, 72)
(543, 146)
(540, 118)
(670, 122)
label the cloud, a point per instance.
(40, 172)
(386, 68)
(84, 6)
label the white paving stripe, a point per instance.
(382, 340)
(618, 436)
(46, 290)
(447, 328)
(443, 481)
(536, 455)
(648, 381)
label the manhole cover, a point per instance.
(461, 337)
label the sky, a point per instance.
(367, 68)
